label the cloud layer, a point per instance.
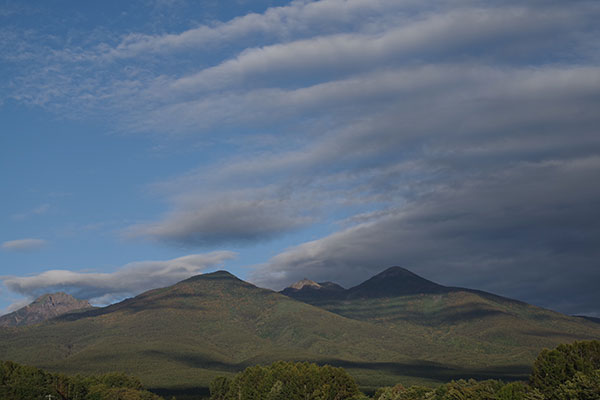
(458, 139)
(129, 280)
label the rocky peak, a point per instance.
(305, 283)
(43, 308)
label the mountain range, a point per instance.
(395, 327)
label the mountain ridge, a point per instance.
(217, 324)
(391, 282)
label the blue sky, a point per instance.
(147, 141)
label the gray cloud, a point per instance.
(456, 139)
(238, 217)
(23, 245)
(131, 279)
(484, 117)
(529, 231)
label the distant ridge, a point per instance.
(393, 282)
(398, 296)
(45, 307)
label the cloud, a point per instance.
(300, 45)
(240, 217)
(519, 232)
(440, 37)
(382, 147)
(23, 245)
(299, 18)
(129, 280)
(456, 139)
(16, 305)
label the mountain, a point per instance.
(177, 339)
(395, 281)
(44, 308)
(467, 319)
(181, 337)
(588, 318)
(307, 289)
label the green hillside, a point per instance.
(463, 320)
(187, 334)
(177, 339)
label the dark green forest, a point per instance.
(19, 382)
(568, 372)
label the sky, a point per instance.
(147, 141)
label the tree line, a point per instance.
(19, 382)
(569, 372)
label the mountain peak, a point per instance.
(395, 281)
(54, 299)
(307, 289)
(305, 283)
(221, 274)
(401, 273)
(45, 307)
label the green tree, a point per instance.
(219, 388)
(581, 387)
(513, 391)
(554, 368)
(18, 382)
(287, 381)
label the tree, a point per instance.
(581, 387)
(287, 381)
(554, 368)
(219, 388)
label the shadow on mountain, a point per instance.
(198, 361)
(416, 369)
(437, 371)
(421, 369)
(135, 305)
(393, 312)
(554, 334)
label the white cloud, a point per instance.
(321, 42)
(16, 305)
(24, 245)
(131, 279)
(304, 18)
